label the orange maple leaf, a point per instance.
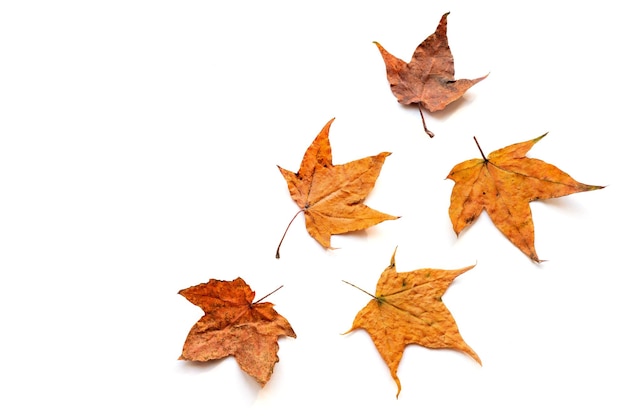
(234, 326)
(407, 309)
(331, 196)
(428, 79)
(503, 184)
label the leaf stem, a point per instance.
(480, 149)
(430, 134)
(270, 293)
(364, 291)
(285, 233)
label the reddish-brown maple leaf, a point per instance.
(503, 184)
(428, 79)
(234, 326)
(407, 309)
(331, 196)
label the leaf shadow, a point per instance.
(562, 205)
(362, 234)
(440, 116)
(200, 366)
(445, 113)
(339, 240)
(251, 387)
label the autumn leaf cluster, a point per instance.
(407, 307)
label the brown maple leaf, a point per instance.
(234, 326)
(503, 184)
(428, 79)
(331, 196)
(407, 309)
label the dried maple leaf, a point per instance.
(234, 326)
(407, 309)
(428, 79)
(331, 196)
(503, 184)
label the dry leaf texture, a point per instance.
(332, 196)
(407, 309)
(503, 184)
(428, 79)
(234, 326)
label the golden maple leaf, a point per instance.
(503, 184)
(331, 196)
(407, 309)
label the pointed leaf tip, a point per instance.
(392, 263)
(413, 82)
(391, 321)
(503, 187)
(314, 188)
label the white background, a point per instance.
(138, 150)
